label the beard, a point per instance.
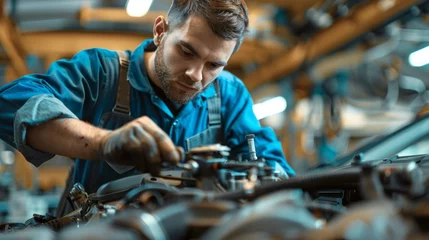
(167, 80)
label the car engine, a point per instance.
(211, 197)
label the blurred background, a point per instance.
(333, 78)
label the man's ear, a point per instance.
(159, 29)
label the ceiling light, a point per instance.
(419, 58)
(138, 8)
(269, 107)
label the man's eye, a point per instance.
(187, 53)
(213, 65)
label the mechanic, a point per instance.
(171, 96)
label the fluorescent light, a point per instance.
(138, 8)
(419, 58)
(269, 107)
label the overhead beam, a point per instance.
(363, 19)
(4, 59)
(344, 60)
(87, 14)
(2, 8)
(49, 59)
(292, 5)
(10, 43)
(423, 111)
(10, 73)
(246, 54)
(68, 43)
(256, 51)
(24, 171)
(15, 35)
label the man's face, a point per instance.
(189, 59)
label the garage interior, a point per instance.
(339, 81)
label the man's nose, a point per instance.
(195, 72)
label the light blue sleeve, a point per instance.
(69, 89)
(37, 110)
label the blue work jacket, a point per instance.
(85, 86)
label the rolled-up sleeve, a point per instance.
(69, 89)
(37, 110)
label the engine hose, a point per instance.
(315, 181)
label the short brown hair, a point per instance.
(228, 19)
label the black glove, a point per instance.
(140, 143)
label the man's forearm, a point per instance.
(67, 137)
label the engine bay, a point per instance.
(211, 197)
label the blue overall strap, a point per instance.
(123, 95)
(214, 107)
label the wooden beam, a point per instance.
(365, 18)
(87, 14)
(50, 177)
(344, 60)
(254, 51)
(6, 40)
(4, 59)
(68, 43)
(24, 171)
(14, 35)
(10, 40)
(424, 111)
(247, 54)
(2, 8)
(49, 59)
(10, 73)
(294, 6)
(290, 4)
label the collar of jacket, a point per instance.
(139, 78)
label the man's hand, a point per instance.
(140, 143)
